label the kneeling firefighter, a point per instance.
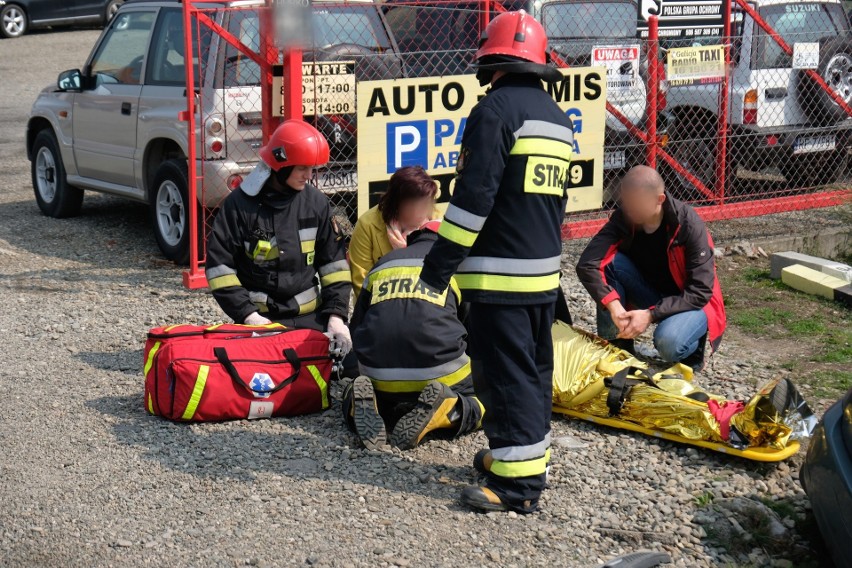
(411, 350)
(274, 253)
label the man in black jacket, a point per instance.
(274, 243)
(653, 262)
(411, 350)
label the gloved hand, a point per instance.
(256, 319)
(339, 333)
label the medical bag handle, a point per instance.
(290, 354)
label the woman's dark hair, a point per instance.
(407, 183)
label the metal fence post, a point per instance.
(653, 90)
(722, 145)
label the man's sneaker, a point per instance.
(432, 412)
(365, 414)
(482, 461)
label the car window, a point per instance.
(167, 62)
(563, 20)
(804, 22)
(121, 54)
(359, 25)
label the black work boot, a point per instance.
(434, 410)
(369, 425)
(483, 499)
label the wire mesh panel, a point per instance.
(750, 123)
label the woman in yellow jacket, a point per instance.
(407, 204)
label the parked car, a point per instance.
(779, 117)
(826, 477)
(440, 37)
(19, 16)
(113, 126)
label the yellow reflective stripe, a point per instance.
(224, 281)
(502, 283)
(197, 390)
(458, 235)
(335, 277)
(150, 404)
(308, 308)
(323, 386)
(542, 147)
(455, 288)
(171, 327)
(417, 386)
(308, 246)
(150, 362)
(261, 307)
(525, 468)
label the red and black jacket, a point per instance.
(691, 262)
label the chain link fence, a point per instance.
(749, 123)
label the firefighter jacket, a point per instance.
(405, 334)
(690, 258)
(279, 254)
(501, 234)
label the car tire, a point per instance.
(835, 67)
(809, 172)
(168, 200)
(111, 9)
(692, 144)
(13, 21)
(54, 196)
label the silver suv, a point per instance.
(779, 117)
(113, 126)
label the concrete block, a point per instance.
(844, 295)
(780, 260)
(811, 281)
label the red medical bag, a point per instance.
(232, 372)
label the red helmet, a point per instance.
(295, 143)
(516, 34)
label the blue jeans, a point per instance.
(676, 337)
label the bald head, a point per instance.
(643, 177)
(641, 195)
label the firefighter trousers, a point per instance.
(512, 366)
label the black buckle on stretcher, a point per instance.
(619, 387)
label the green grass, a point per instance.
(819, 331)
(705, 499)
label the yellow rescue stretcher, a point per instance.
(597, 382)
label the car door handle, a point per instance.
(773, 94)
(125, 108)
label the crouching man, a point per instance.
(411, 347)
(653, 262)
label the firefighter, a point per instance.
(501, 238)
(411, 349)
(274, 253)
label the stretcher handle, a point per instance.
(289, 354)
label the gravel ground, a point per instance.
(90, 480)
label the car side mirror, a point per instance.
(71, 80)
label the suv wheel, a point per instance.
(691, 143)
(112, 8)
(54, 196)
(806, 172)
(169, 201)
(835, 68)
(13, 21)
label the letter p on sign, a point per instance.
(407, 145)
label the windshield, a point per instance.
(562, 20)
(358, 25)
(796, 23)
